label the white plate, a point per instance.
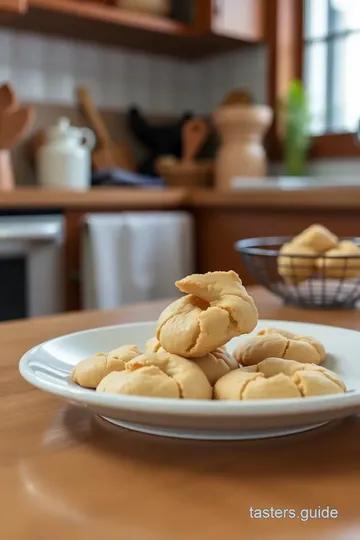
(48, 367)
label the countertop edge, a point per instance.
(175, 198)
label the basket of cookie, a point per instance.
(193, 354)
(314, 269)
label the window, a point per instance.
(332, 64)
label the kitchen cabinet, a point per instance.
(240, 19)
(16, 6)
(237, 19)
(220, 218)
(208, 27)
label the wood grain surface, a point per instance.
(125, 198)
(65, 474)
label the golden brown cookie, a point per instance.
(276, 387)
(253, 349)
(232, 385)
(153, 345)
(216, 309)
(147, 381)
(191, 380)
(338, 264)
(276, 343)
(316, 383)
(276, 378)
(296, 269)
(214, 365)
(316, 237)
(90, 371)
(268, 331)
(272, 366)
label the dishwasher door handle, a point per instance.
(30, 232)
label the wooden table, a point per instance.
(67, 475)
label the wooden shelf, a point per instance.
(113, 15)
(110, 25)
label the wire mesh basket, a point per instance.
(312, 281)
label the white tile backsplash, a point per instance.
(48, 69)
(5, 46)
(31, 81)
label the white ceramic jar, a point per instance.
(64, 161)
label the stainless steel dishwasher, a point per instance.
(31, 266)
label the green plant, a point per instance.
(296, 138)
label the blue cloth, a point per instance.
(121, 177)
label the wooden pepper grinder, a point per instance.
(241, 126)
(15, 122)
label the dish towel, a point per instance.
(134, 257)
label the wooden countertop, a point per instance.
(123, 198)
(97, 198)
(66, 474)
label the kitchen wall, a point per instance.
(46, 70)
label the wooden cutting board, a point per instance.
(108, 154)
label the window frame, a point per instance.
(285, 39)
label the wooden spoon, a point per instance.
(8, 99)
(14, 126)
(194, 134)
(109, 154)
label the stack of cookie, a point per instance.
(318, 249)
(187, 357)
(278, 364)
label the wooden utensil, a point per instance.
(6, 171)
(14, 126)
(194, 134)
(109, 154)
(8, 99)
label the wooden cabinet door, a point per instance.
(17, 6)
(242, 19)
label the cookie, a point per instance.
(214, 365)
(316, 237)
(216, 309)
(90, 371)
(280, 344)
(149, 381)
(189, 378)
(296, 269)
(276, 378)
(340, 263)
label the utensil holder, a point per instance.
(185, 174)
